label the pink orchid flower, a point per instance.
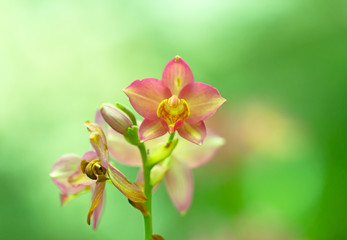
(174, 103)
(74, 175)
(178, 173)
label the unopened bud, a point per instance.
(116, 118)
(161, 152)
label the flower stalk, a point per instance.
(147, 191)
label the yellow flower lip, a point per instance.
(173, 110)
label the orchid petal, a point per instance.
(64, 197)
(129, 189)
(89, 156)
(98, 119)
(195, 133)
(62, 169)
(179, 184)
(97, 212)
(66, 187)
(98, 141)
(80, 179)
(171, 129)
(98, 193)
(194, 155)
(203, 101)
(150, 129)
(65, 166)
(146, 95)
(121, 150)
(177, 75)
(140, 177)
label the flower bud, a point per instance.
(116, 118)
(161, 152)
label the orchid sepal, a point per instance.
(129, 189)
(98, 141)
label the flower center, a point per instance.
(173, 110)
(94, 170)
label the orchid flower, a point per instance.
(74, 175)
(176, 170)
(174, 103)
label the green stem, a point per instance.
(171, 137)
(148, 191)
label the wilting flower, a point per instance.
(176, 170)
(174, 103)
(74, 175)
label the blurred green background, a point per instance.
(280, 64)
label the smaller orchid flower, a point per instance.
(176, 170)
(174, 103)
(73, 174)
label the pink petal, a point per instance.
(66, 187)
(98, 119)
(65, 166)
(140, 177)
(171, 129)
(146, 95)
(98, 211)
(97, 198)
(64, 198)
(62, 169)
(89, 156)
(177, 75)
(98, 141)
(179, 184)
(121, 150)
(203, 101)
(150, 129)
(195, 133)
(129, 189)
(80, 179)
(194, 155)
